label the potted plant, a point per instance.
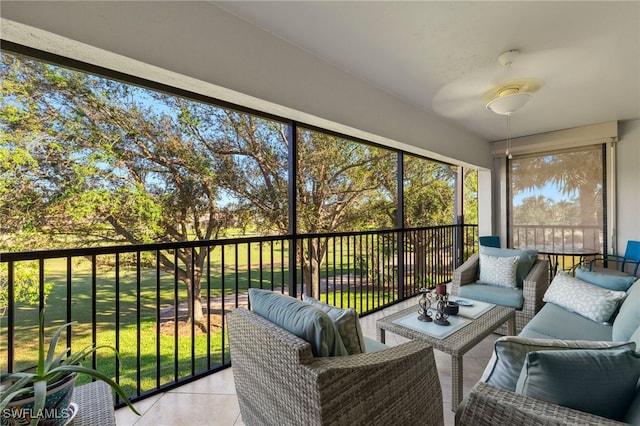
(42, 395)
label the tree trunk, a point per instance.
(420, 260)
(194, 299)
(312, 262)
(196, 309)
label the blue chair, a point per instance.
(489, 241)
(620, 265)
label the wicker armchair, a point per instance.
(488, 405)
(279, 382)
(533, 287)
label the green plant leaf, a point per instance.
(17, 388)
(52, 346)
(61, 358)
(53, 368)
(41, 365)
(40, 396)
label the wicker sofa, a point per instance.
(279, 381)
(487, 405)
(534, 286)
(560, 328)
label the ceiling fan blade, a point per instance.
(464, 96)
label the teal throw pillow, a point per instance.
(604, 280)
(510, 352)
(597, 382)
(526, 259)
(347, 323)
(302, 319)
(628, 319)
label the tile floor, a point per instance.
(212, 400)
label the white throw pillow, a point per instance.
(590, 301)
(500, 271)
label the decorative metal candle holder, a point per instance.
(424, 313)
(441, 315)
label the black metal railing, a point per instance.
(560, 238)
(143, 299)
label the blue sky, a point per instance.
(550, 190)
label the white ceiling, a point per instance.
(442, 55)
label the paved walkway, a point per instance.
(242, 299)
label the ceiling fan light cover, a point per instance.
(507, 104)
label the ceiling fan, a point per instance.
(463, 97)
(503, 98)
(508, 97)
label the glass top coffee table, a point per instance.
(457, 342)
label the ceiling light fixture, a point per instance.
(509, 97)
(509, 100)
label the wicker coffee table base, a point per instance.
(456, 344)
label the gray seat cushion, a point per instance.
(504, 296)
(556, 322)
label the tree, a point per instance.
(104, 161)
(429, 192)
(429, 201)
(535, 210)
(578, 172)
(470, 207)
(25, 287)
(250, 157)
(338, 184)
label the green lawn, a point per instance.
(130, 306)
(139, 300)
